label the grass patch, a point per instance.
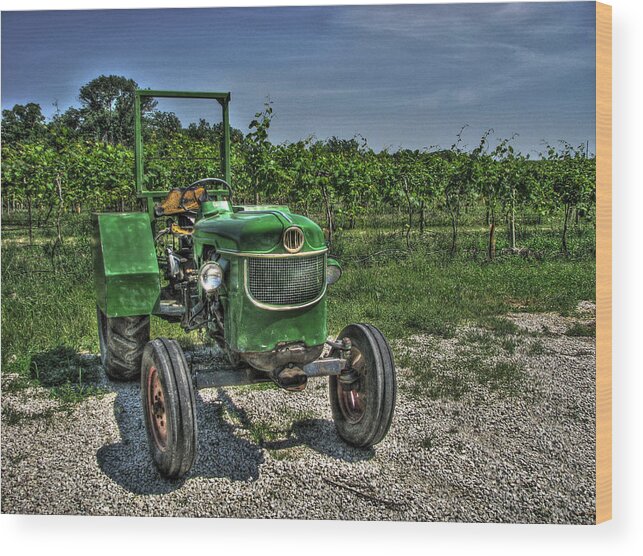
(62, 365)
(536, 348)
(262, 432)
(448, 386)
(446, 381)
(501, 326)
(510, 344)
(11, 416)
(68, 376)
(503, 375)
(428, 442)
(421, 295)
(70, 395)
(483, 342)
(580, 329)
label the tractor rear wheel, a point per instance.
(122, 341)
(363, 399)
(169, 406)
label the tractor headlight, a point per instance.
(333, 271)
(211, 277)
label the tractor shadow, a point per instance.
(319, 435)
(223, 452)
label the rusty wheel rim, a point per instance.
(352, 399)
(156, 408)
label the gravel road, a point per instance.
(478, 449)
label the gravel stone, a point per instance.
(487, 456)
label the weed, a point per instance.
(70, 395)
(262, 432)
(62, 365)
(536, 348)
(510, 344)
(501, 326)
(428, 442)
(580, 329)
(503, 376)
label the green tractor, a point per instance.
(254, 278)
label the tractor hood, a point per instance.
(256, 231)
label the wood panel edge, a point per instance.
(603, 262)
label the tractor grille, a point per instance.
(286, 280)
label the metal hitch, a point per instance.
(291, 378)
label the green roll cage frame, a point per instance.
(141, 191)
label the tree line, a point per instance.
(82, 159)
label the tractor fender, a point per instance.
(126, 271)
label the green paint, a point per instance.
(250, 328)
(126, 272)
(258, 230)
(255, 231)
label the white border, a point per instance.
(169, 536)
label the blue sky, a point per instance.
(402, 76)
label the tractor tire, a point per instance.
(169, 406)
(363, 409)
(122, 341)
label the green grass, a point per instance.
(420, 295)
(580, 329)
(49, 315)
(62, 365)
(536, 348)
(262, 432)
(510, 345)
(503, 375)
(500, 326)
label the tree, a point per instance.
(497, 176)
(572, 176)
(264, 172)
(24, 122)
(29, 170)
(161, 125)
(107, 109)
(461, 181)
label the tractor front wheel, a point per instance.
(169, 406)
(363, 398)
(122, 340)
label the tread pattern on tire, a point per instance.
(180, 454)
(382, 414)
(122, 344)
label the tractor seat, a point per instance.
(172, 203)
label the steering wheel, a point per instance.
(198, 183)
